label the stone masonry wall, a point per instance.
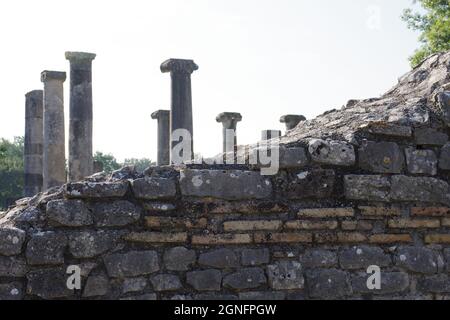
(227, 232)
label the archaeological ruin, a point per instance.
(359, 190)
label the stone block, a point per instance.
(131, 264)
(151, 188)
(46, 248)
(288, 237)
(115, 213)
(391, 283)
(206, 280)
(285, 275)
(90, 244)
(69, 213)
(256, 225)
(314, 183)
(228, 185)
(11, 291)
(318, 258)
(382, 157)
(219, 259)
(430, 137)
(421, 189)
(179, 259)
(369, 188)
(421, 161)
(96, 286)
(434, 284)
(12, 267)
(361, 257)
(156, 237)
(243, 279)
(444, 159)
(338, 153)
(417, 259)
(166, 282)
(255, 257)
(326, 213)
(95, 190)
(49, 284)
(328, 284)
(221, 239)
(11, 241)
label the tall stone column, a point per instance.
(163, 117)
(270, 134)
(33, 148)
(229, 122)
(81, 162)
(181, 101)
(54, 160)
(292, 120)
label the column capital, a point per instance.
(74, 56)
(160, 113)
(35, 94)
(292, 120)
(179, 66)
(229, 116)
(53, 75)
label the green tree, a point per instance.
(434, 25)
(11, 171)
(108, 161)
(140, 164)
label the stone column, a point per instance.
(181, 100)
(163, 117)
(229, 122)
(81, 162)
(33, 148)
(270, 134)
(292, 120)
(54, 160)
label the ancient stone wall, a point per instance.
(357, 188)
(198, 232)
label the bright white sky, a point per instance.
(262, 58)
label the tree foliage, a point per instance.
(434, 26)
(11, 171)
(108, 161)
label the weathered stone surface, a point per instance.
(131, 264)
(229, 185)
(207, 280)
(48, 284)
(151, 188)
(143, 297)
(255, 257)
(293, 158)
(315, 183)
(89, 244)
(116, 214)
(443, 102)
(157, 237)
(179, 259)
(417, 259)
(328, 284)
(46, 248)
(12, 267)
(391, 282)
(134, 284)
(361, 257)
(421, 161)
(435, 284)
(221, 259)
(166, 282)
(421, 189)
(221, 239)
(336, 153)
(382, 157)
(96, 286)
(78, 190)
(326, 213)
(444, 159)
(371, 188)
(388, 129)
(286, 275)
(69, 213)
(11, 241)
(447, 259)
(215, 297)
(158, 206)
(11, 291)
(262, 295)
(317, 258)
(430, 137)
(245, 279)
